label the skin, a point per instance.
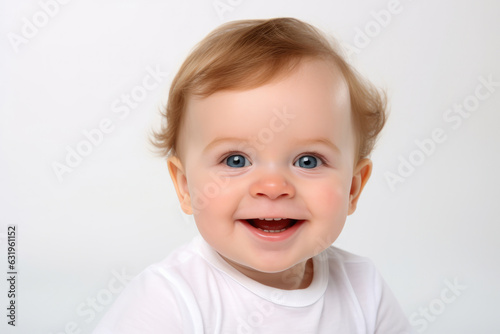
(275, 180)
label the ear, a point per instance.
(361, 174)
(178, 176)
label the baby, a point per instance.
(267, 135)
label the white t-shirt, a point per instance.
(195, 291)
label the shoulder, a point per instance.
(345, 256)
(158, 297)
(186, 264)
(358, 278)
(356, 274)
(351, 263)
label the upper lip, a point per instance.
(296, 212)
(272, 218)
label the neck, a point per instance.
(297, 277)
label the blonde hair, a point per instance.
(249, 53)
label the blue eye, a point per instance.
(307, 161)
(237, 161)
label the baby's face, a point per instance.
(283, 150)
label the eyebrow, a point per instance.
(321, 140)
(219, 140)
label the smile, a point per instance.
(272, 229)
(272, 225)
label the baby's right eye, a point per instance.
(237, 161)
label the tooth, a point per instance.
(272, 231)
(278, 218)
(268, 218)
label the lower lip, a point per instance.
(270, 236)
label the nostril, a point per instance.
(272, 187)
(273, 195)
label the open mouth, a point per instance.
(272, 225)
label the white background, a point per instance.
(116, 212)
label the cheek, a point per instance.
(201, 192)
(211, 195)
(330, 199)
(214, 202)
(208, 210)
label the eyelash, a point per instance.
(315, 154)
(230, 153)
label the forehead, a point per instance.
(315, 93)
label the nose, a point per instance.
(272, 186)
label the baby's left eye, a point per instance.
(307, 161)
